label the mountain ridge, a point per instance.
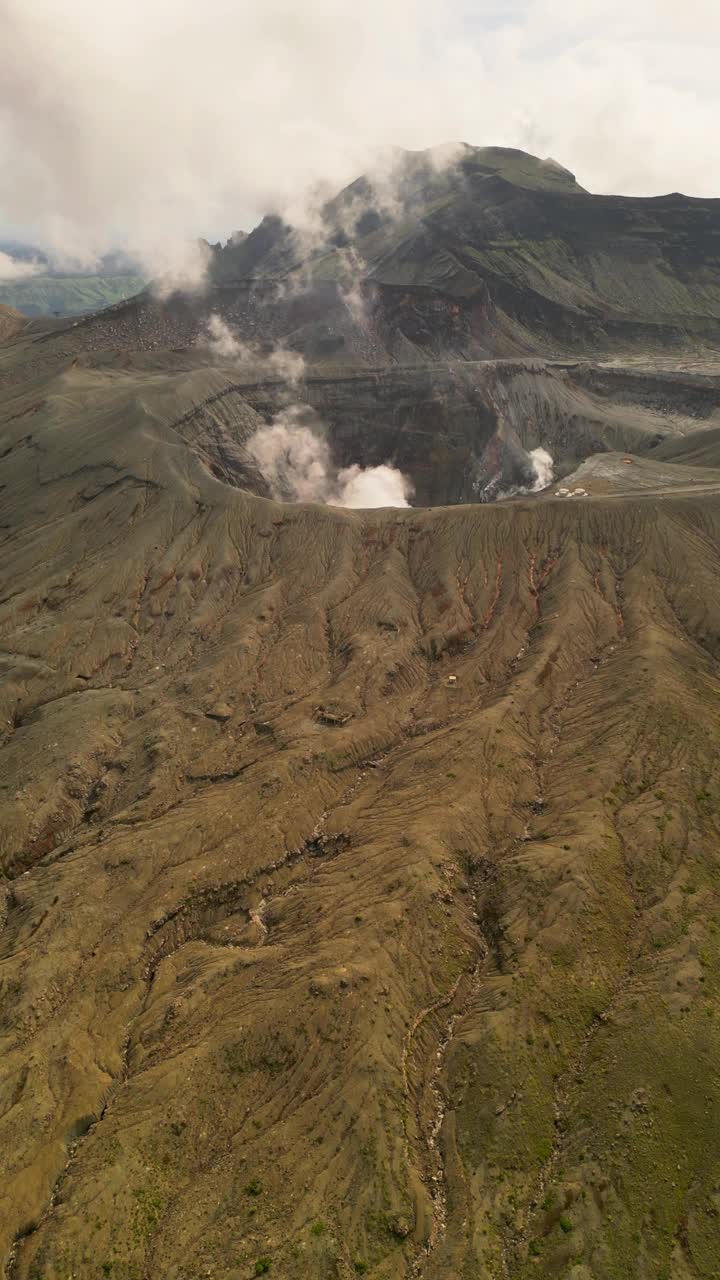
(458, 263)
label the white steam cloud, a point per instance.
(220, 339)
(543, 469)
(148, 123)
(224, 345)
(174, 265)
(296, 461)
(12, 269)
(543, 464)
(292, 452)
(365, 487)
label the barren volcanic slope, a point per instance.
(361, 910)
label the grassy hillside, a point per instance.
(68, 295)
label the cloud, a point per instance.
(365, 487)
(543, 466)
(542, 469)
(175, 264)
(533, 473)
(295, 459)
(148, 123)
(12, 269)
(219, 339)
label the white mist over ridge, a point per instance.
(295, 459)
(151, 122)
(220, 340)
(223, 345)
(12, 269)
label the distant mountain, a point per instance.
(57, 295)
(464, 253)
(498, 252)
(53, 291)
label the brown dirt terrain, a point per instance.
(314, 960)
(11, 321)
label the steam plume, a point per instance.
(543, 464)
(220, 339)
(292, 452)
(365, 487)
(294, 457)
(224, 345)
(542, 467)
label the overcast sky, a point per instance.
(153, 120)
